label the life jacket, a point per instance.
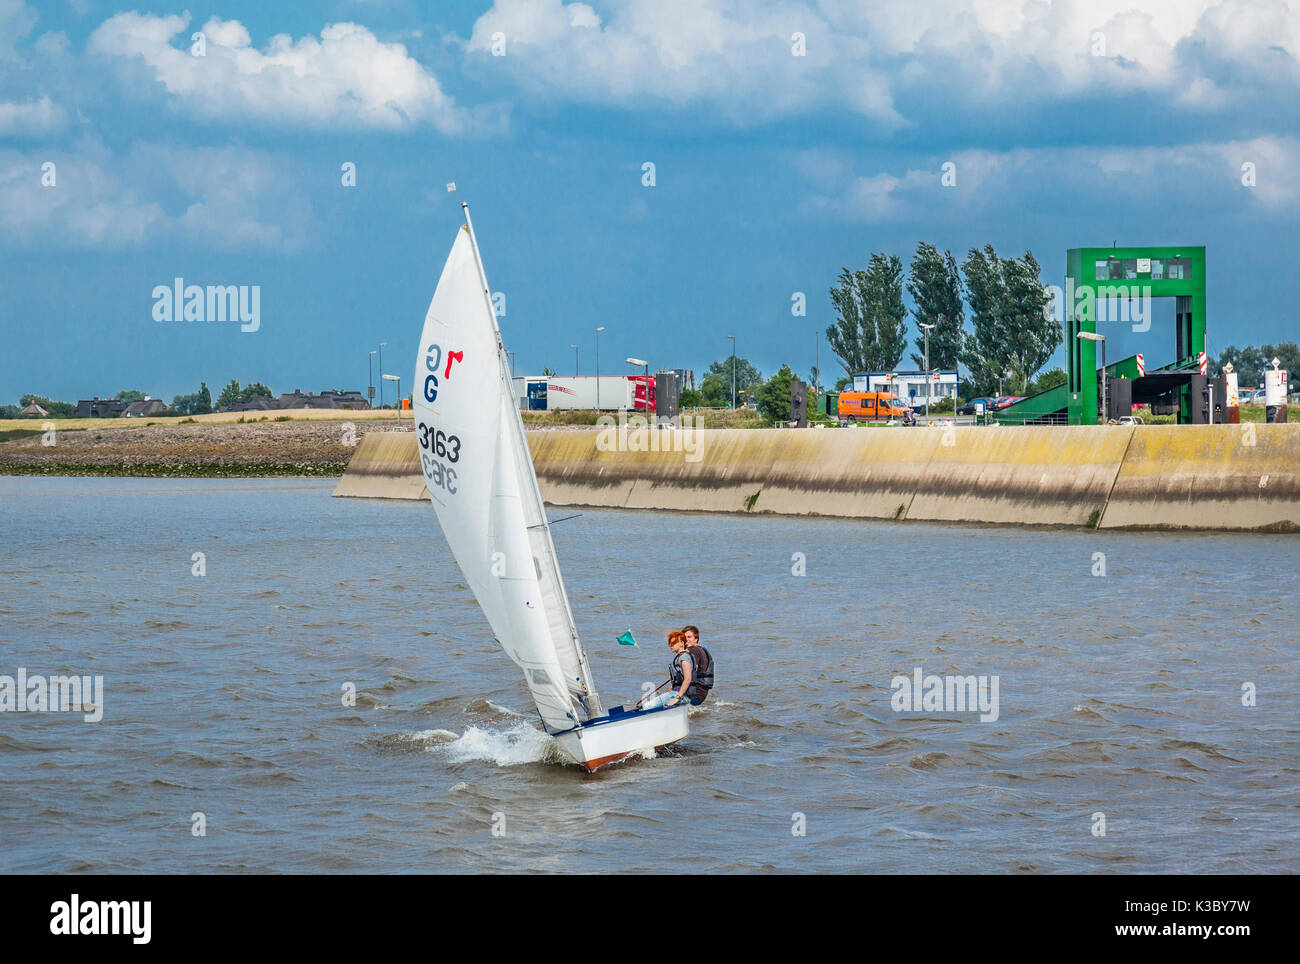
(701, 678)
(675, 671)
(703, 662)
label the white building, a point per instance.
(910, 387)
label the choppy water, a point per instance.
(1119, 695)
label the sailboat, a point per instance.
(479, 474)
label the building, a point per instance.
(261, 403)
(339, 398)
(33, 411)
(910, 387)
(99, 408)
(146, 406)
(336, 398)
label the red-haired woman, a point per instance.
(681, 671)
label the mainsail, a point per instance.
(480, 477)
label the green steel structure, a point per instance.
(1100, 276)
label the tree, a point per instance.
(1049, 379)
(203, 402)
(129, 395)
(1250, 362)
(691, 398)
(1015, 333)
(715, 390)
(747, 376)
(229, 395)
(255, 390)
(774, 395)
(935, 286)
(1287, 352)
(548, 371)
(870, 331)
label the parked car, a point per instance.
(1003, 401)
(1130, 420)
(969, 407)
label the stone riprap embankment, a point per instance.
(293, 448)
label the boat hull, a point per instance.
(609, 739)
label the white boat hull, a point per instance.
(610, 739)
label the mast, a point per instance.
(593, 698)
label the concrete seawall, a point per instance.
(1209, 477)
(1204, 477)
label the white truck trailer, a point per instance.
(557, 392)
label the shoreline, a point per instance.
(1243, 478)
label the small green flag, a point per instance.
(626, 639)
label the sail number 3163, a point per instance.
(437, 445)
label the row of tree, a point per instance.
(196, 403)
(1250, 362)
(200, 402)
(1013, 332)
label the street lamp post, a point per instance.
(926, 329)
(575, 360)
(398, 379)
(370, 398)
(598, 331)
(381, 373)
(733, 370)
(1091, 336)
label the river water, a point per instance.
(224, 694)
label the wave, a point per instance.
(517, 744)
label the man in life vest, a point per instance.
(703, 664)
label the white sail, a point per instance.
(480, 478)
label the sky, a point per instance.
(788, 140)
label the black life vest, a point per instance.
(675, 671)
(701, 678)
(703, 662)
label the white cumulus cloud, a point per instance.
(213, 198)
(1084, 182)
(890, 61)
(31, 118)
(745, 60)
(345, 76)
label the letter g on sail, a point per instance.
(431, 362)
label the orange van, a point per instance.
(873, 407)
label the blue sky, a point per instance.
(1069, 124)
